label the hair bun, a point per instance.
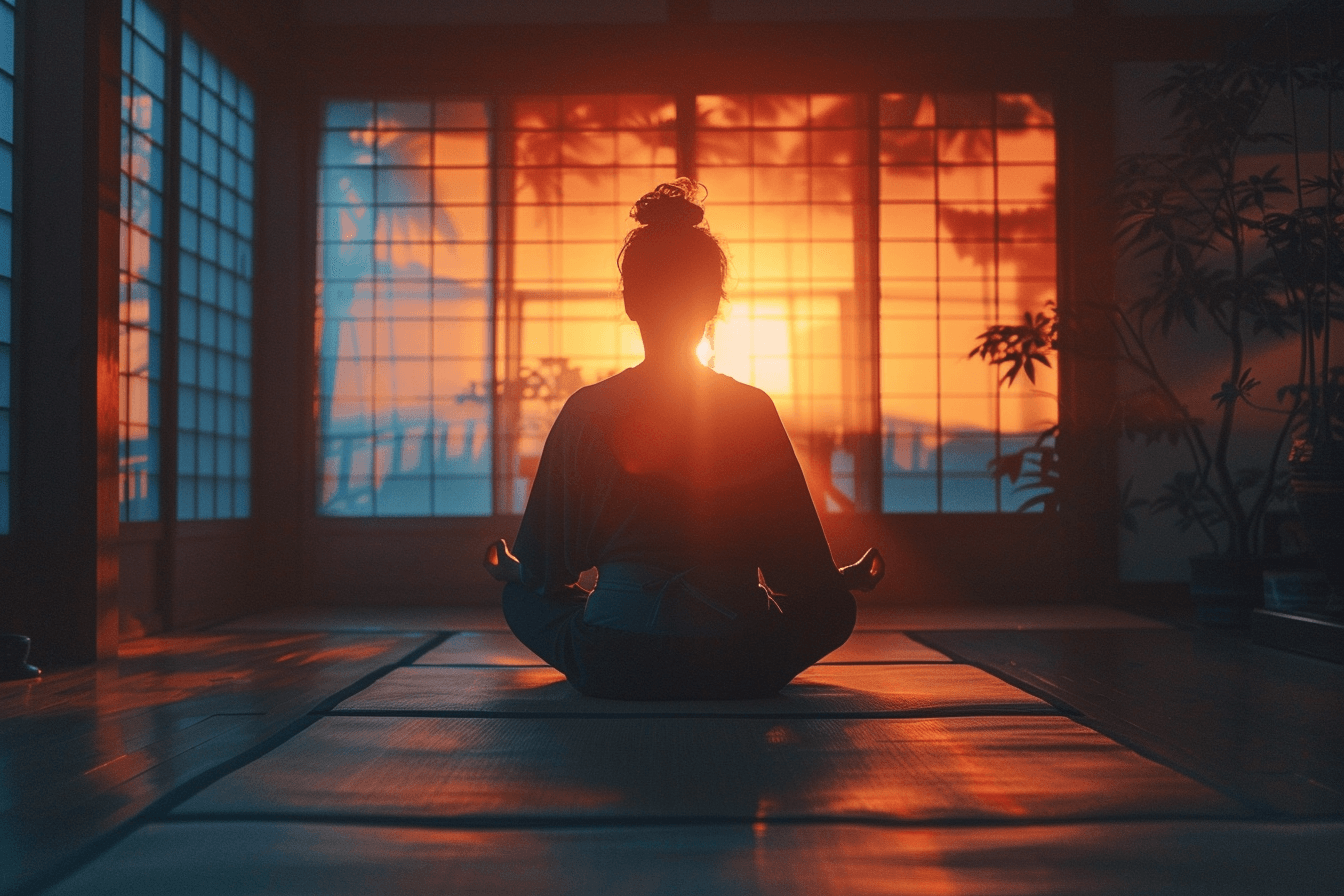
(669, 205)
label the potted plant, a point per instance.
(1243, 255)
(1308, 246)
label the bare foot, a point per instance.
(864, 575)
(501, 564)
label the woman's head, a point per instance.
(672, 267)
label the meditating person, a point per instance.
(680, 485)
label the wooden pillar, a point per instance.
(63, 558)
(1086, 287)
(284, 362)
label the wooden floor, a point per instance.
(1018, 750)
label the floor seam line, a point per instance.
(946, 662)
(1043, 712)
(435, 640)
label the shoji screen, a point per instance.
(214, 389)
(405, 303)
(967, 184)
(572, 167)
(787, 176)
(144, 48)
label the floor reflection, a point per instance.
(550, 768)
(85, 749)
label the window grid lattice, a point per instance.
(967, 240)
(574, 166)
(215, 290)
(787, 180)
(7, 73)
(143, 119)
(405, 305)
(956, 209)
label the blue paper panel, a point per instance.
(144, 87)
(215, 308)
(404, 412)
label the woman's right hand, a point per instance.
(501, 564)
(864, 575)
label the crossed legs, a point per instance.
(755, 660)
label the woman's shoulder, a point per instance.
(595, 402)
(739, 389)
(628, 390)
(600, 395)
(749, 398)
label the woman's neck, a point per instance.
(670, 355)
(671, 361)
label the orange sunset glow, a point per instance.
(468, 283)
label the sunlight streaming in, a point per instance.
(469, 284)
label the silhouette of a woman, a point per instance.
(680, 485)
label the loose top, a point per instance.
(639, 471)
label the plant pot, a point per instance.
(1318, 492)
(1300, 591)
(1226, 589)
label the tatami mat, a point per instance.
(887, 769)
(1151, 858)
(924, 688)
(503, 649)
(883, 647)
(480, 649)
(705, 768)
